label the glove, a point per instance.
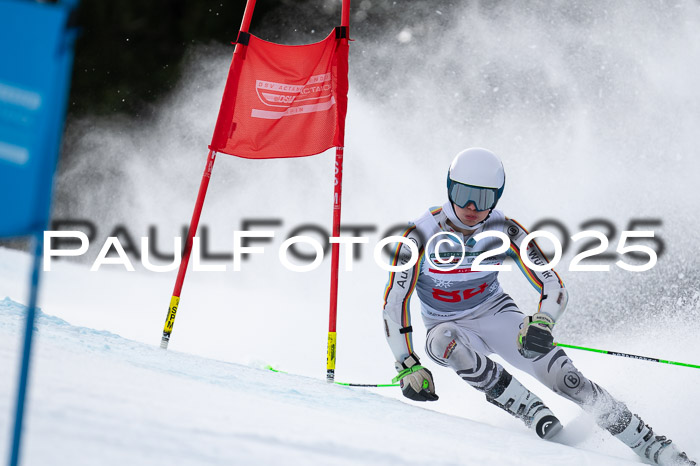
(535, 337)
(416, 381)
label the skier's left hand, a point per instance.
(535, 337)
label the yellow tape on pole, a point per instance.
(169, 321)
(330, 358)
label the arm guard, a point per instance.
(553, 301)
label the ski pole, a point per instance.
(626, 355)
(270, 368)
(377, 385)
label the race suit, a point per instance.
(468, 316)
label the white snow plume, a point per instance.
(593, 110)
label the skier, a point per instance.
(468, 316)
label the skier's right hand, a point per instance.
(535, 337)
(415, 380)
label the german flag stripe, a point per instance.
(547, 259)
(405, 314)
(529, 274)
(394, 261)
(519, 260)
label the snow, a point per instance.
(98, 398)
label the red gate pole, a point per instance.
(247, 15)
(335, 248)
(335, 253)
(175, 299)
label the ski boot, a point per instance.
(653, 449)
(512, 396)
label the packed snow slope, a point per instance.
(98, 398)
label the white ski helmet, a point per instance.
(476, 176)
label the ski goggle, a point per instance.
(463, 194)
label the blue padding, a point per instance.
(36, 47)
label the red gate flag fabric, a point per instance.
(284, 100)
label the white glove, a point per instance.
(416, 381)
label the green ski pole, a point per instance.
(346, 384)
(368, 384)
(626, 355)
